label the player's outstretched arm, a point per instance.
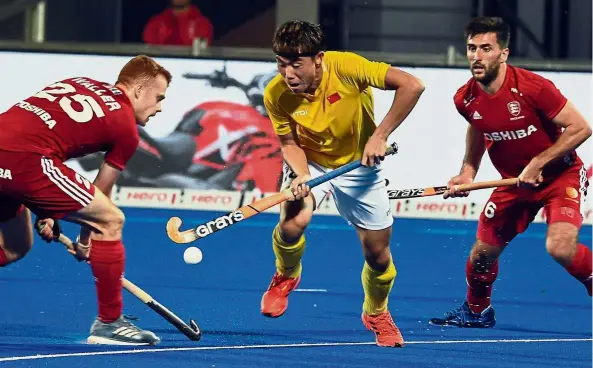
(294, 155)
(409, 89)
(295, 158)
(474, 152)
(576, 131)
(361, 72)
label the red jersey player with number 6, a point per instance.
(531, 132)
(67, 119)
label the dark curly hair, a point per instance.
(297, 38)
(481, 25)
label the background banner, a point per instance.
(214, 138)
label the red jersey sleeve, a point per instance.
(549, 99)
(461, 111)
(459, 102)
(125, 142)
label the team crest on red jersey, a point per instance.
(514, 108)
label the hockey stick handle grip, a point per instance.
(391, 149)
(433, 191)
(488, 184)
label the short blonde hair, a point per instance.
(141, 69)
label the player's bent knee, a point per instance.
(561, 249)
(561, 241)
(484, 254)
(112, 224)
(292, 229)
(15, 252)
(15, 248)
(375, 245)
(378, 260)
(102, 217)
(302, 220)
(116, 222)
(296, 216)
(16, 237)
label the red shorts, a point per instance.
(510, 211)
(44, 185)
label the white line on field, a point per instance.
(303, 345)
(312, 290)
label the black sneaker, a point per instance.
(464, 317)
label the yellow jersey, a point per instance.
(334, 124)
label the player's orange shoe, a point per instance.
(275, 299)
(385, 330)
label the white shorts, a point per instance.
(360, 195)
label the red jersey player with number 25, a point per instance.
(67, 119)
(531, 132)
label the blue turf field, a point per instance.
(544, 316)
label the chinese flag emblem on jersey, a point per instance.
(334, 98)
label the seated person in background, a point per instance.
(179, 24)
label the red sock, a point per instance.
(580, 267)
(3, 260)
(479, 285)
(107, 263)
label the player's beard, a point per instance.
(489, 74)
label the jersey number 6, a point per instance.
(489, 210)
(89, 105)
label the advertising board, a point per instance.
(214, 134)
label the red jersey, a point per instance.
(72, 118)
(516, 121)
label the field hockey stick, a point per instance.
(192, 331)
(247, 211)
(432, 191)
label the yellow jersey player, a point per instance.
(321, 107)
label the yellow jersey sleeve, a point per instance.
(280, 120)
(360, 71)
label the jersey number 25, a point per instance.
(90, 107)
